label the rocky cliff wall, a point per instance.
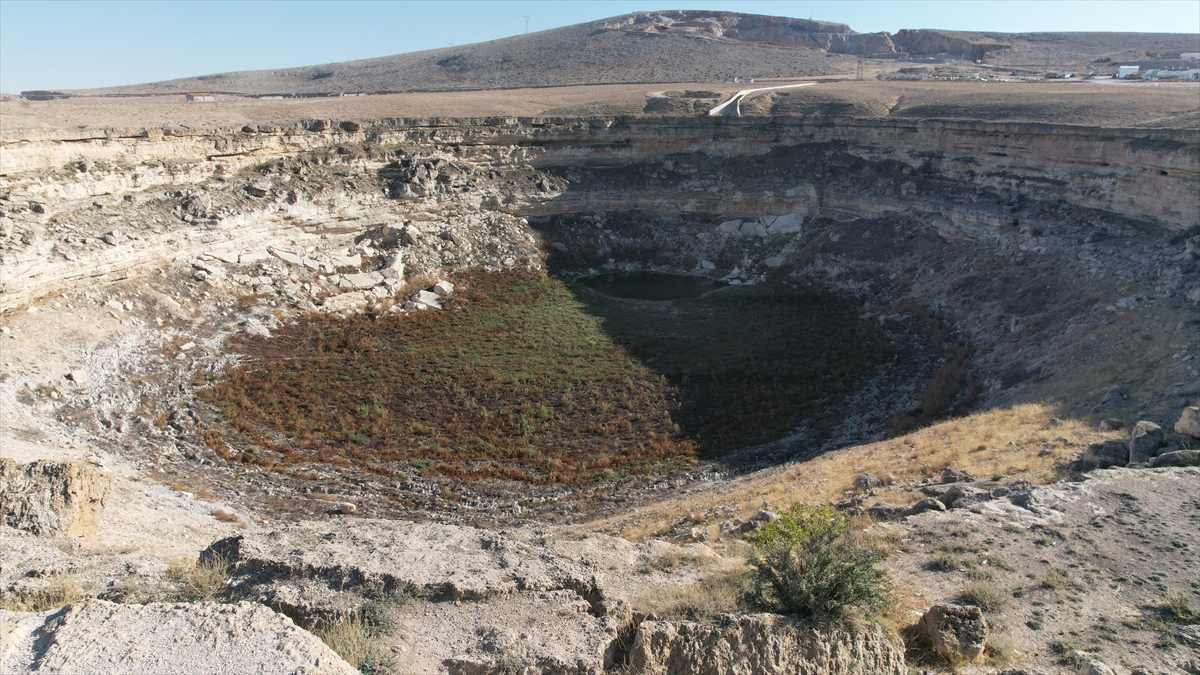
(1144, 174)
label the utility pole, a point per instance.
(859, 75)
(527, 25)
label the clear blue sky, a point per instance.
(68, 45)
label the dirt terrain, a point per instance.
(1021, 259)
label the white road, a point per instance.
(733, 107)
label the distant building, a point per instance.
(1124, 72)
(1190, 56)
(200, 97)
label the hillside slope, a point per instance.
(669, 46)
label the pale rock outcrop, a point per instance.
(1189, 422)
(52, 498)
(756, 644)
(427, 298)
(789, 224)
(96, 636)
(345, 302)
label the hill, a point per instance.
(672, 46)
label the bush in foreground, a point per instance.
(805, 564)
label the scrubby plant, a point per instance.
(1056, 578)
(804, 564)
(1180, 608)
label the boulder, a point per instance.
(1177, 458)
(753, 229)
(953, 494)
(751, 644)
(427, 298)
(256, 327)
(443, 288)
(730, 227)
(393, 268)
(1144, 441)
(96, 636)
(345, 302)
(1094, 667)
(52, 498)
(346, 260)
(1189, 422)
(923, 506)
(79, 377)
(1112, 424)
(258, 189)
(361, 281)
(885, 511)
(950, 475)
(1106, 453)
(1114, 398)
(955, 631)
(866, 481)
(287, 256)
(789, 224)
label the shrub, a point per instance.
(804, 564)
(1056, 578)
(1180, 609)
(946, 561)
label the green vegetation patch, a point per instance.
(522, 377)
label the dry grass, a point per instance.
(1004, 442)
(62, 590)
(227, 517)
(200, 579)
(357, 641)
(984, 596)
(718, 593)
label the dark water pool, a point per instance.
(651, 285)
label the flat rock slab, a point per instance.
(103, 637)
(457, 562)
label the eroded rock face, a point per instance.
(756, 644)
(104, 637)
(52, 498)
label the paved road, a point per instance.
(733, 107)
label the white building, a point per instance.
(1123, 72)
(200, 97)
(1190, 56)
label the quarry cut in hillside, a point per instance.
(971, 265)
